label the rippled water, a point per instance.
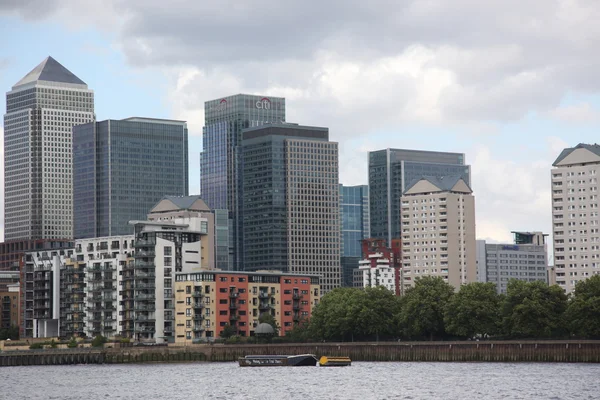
(360, 381)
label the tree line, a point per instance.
(433, 310)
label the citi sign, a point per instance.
(264, 104)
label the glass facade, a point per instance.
(391, 171)
(354, 214)
(123, 168)
(221, 177)
(223, 250)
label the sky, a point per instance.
(509, 83)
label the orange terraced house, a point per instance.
(207, 301)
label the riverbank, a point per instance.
(485, 351)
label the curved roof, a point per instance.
(264, 329)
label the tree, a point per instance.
(336, 317)
(474, 310)
(533, 310)
(583, 310)
(422, 312)
(377, 308)
(267, 318)
(99, 341)
(227, 332)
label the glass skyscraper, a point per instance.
(391, 171)
(291, 201)
(41, 110)
(220, 172)
(355, 226)
(122, 168)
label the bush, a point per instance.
(36, 346)
(125, 340)
(72, 343)
(99, 341)
(233, 340)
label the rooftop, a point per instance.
(50, 70)
(593, 148)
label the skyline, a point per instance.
(433, 90)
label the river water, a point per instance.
(363, 380)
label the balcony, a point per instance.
(296, 296)
(198, 304)
(143, 243)
(233, 306)
(234, 317)
(264, 306)
(145, 253)
(198, 328)
(234, 295)
(263, 295)
(197, 294)
(198, 317)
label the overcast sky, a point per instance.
(509, 83)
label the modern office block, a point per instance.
(526, 260)
(355, 226)
(576, 225)
(41, 110)
(291, 201)
(122, 168)
(208, 301)
(392, 171)
(221, 174)
(438, 231)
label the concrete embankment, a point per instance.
(484, 351)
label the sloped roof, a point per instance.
(443, 183)
(50, 70)
(194, 203)
(594, 148)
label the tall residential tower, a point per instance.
(291, 201)
(41, 110)
(220, 164)
(391, 171)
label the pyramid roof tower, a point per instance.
(50, 70)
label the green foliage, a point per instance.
(235, 339)
(474, 310)
(583, 311)
(125, 340)
(533, 310)
(35, 346)
(72, 343)
(99, 341)
(423, 306)
(228, 331)
(11, 333)
(53, 344)
(267, 318)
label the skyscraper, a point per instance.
(220, 184)
(122, 169)
(354, 224)
(41, 110)
(575, 221)
(391, 171)
(291, 201)
(438, 231)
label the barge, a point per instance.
(302, 360)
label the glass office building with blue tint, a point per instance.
(220, 173)
(391, 171)
(122, 168)
(355, 226)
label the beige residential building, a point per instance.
(575, 221)
(438, 231)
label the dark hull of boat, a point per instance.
(304, 360)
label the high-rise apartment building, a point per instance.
(576, 226)
(526, 260)
(221, 176)
(41, 110)
(122, 168)
(391, 171)
(381, 265)
(438, 231)
(291, 201)
(355, 226)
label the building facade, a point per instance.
(291, 215)
(381, 265)
(208, 301)
(438, 231)
(391, 171)
(10, 306)
(122, 168)
(41, 110)
(575, 221)
(526, 260)
(355, 226)
(221, 176)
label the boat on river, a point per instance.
(302, 360)
(335, 361)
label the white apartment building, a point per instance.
(438, 231)
(378, 271)
(575, 221)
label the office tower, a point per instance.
(220, 173)
(237, 299)
(41, 110)
(438, 231)
(526, 260)
(291, 201)
(122, 168)
(575, 214)
(354, 223)
(380, 265)
(391, 171)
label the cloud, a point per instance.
(577, 113)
